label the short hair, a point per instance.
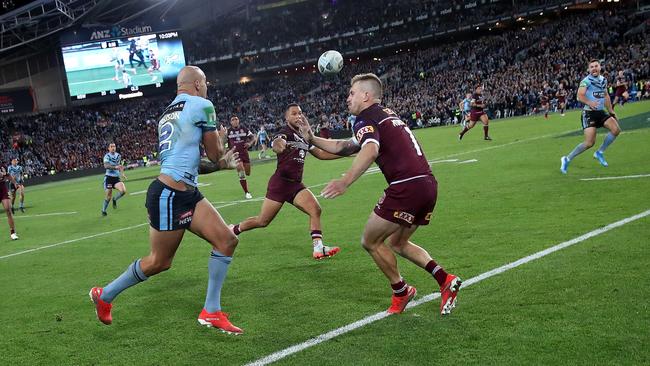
(594, 60)
(233, 116)
(378, 87)
(291, 105)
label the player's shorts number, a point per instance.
(165, 140)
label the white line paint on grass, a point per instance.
(619, 177)
(47, 214)
(468, 161)
(71, 241)
(483, 276)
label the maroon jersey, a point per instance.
(291, 161)
(561, 95)
(477, 98)
(621, 82)
(544, 99)
(238, 137)
(400, 155)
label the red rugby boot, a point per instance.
(398, 303)
(218, 320)
(448, 292)
(102, 308)
(326, 252)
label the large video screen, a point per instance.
(123, 67)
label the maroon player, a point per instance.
(408, 202)
(477, 114)
(544, 104)
(561, 98)
(6, 201)
(241, 138)
(620, 95)
(286, 184)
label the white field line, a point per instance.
(235, 202)
(47, 214)
(619, 177)
(276, 356)
(468, 161)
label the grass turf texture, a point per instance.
(587, 304)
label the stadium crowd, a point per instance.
(425, 86)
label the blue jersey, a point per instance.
(112, 159)
(467, 105)
(596, 91)
(16, 171)
(262, 135)
(180, 131)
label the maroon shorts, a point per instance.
(620, 90)
(243, 156)
(561, 100)
(282, 190)
(409, 203)
(475, 116)
(155, 65)
(4, 192)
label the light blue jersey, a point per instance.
(112, 159)
(16, 171)
(180, 131)
(467, 105)
(263, 136)
(596, 91)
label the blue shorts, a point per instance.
(110, 181)
(170, 209)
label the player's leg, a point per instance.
(208, 224)
(21, 189)
(108, 194)
(614, 130)
(121, 192)
(270, 209)
(13, 193)
(590, 139)
(449, 283)
(6, 203)
(486, 123)
(467, 127)
(307, 203)
(241, 172)
(375, 233)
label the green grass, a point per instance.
(101, 79)
(587, 304)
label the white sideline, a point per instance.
(619, 177)
(234, 203)
(46, 214)
(276, 356)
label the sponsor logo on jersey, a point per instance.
(404, 216)
(364, 130)
(186, 217)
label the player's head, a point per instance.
(14, 161)
(293, 115)
(479, 89)
(620, 73)
(234, 121)
(365, 90)
(262, 128)
(594, 67)
(468, 95)
(111, 147)
(191, 80)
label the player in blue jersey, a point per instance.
(262, 139)
(466, 106)
(174, 203)
(114, 169)
(597, 112)
(16, 171)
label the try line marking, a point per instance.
(235, 203)
(276, 356)
(619, 177)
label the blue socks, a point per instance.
(118, 196)
(104, 206)
(132, 276)
(577, 151)
(608, 141)
(217, 269)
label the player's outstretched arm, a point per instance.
(324, 155)
(336, 147)
(361, 163)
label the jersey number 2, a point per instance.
(166, 132)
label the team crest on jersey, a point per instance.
(364, 130)
(389, 111)
(404, 216)
(302, 153)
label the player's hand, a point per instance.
(334, 189)
(230, 159)
(223, 133)
(279, 145)
(593, 105)
(305, 129)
